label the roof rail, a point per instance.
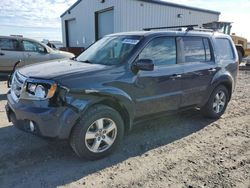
(199, 29)
(16, 35)
(188, 28)
(170, 27)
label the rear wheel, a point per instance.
(98, 133)
(217, 103)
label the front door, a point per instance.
(158, 90)
(34, 52)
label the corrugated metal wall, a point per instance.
(84, 13)
(138, 15)
(130, 15)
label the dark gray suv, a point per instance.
(121, 79)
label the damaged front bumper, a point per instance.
(40, 119)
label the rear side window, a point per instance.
(196, 49)
(225, 50)
(8, 44)
(161, 50)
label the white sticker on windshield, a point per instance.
(130, 41)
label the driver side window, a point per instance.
(162, 51)
(30, 46)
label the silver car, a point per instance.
(27, 50)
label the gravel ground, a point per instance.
(184, 150)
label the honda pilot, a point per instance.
(121, 79)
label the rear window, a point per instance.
(225, 50)
(196, 49)
(8, 44)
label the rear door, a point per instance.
(199, 68)
(158, 90)
(10, 53)
(34, 52)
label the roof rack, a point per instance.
(16, 35)
(200, 29)
(180, 27)
(169, 27)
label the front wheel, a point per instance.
(217, 103)
(98, 133)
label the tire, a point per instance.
(98, 133)
(240, 56)
(214, 108)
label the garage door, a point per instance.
(105, 23)
(71, 33)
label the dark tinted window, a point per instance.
(8, 44)
(196, 49)
(224, 48)
(161, 50)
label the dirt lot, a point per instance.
(183, 150)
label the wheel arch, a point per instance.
(124, 108)
(120, 108)
(225, 80)
(228, 85)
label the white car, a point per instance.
(13, 49)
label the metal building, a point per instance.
(88, 20)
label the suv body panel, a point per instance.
(132, 94)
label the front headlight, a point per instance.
(41, 90)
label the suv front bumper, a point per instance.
(54, 122)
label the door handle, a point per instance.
(1, 54)
(175, 76)
(212, 70)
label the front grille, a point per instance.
(17, 85)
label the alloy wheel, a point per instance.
(219, 102)
(101, 135)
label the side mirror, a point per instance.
(144, 64)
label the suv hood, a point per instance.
(59, 68)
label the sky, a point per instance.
(40, 19)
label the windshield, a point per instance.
(110, 50)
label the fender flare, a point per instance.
(100, 96)
(219, 79)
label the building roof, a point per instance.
(70, 8)
(160, 2)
